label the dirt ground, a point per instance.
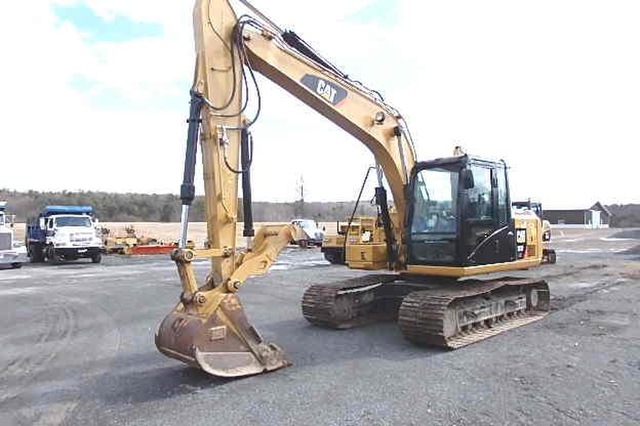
(170, 232)
(78, 349)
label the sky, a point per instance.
(95, 94)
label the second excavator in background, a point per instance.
(452, 216)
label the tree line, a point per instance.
(624, 215)
(132, 207)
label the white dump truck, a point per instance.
(62, 233)
(11, 252)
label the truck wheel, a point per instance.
(53, 257)
(16, 265)
(549, 256)
(334, 257)
(96, 258)
(35, 253)
(329, 257)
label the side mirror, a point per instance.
(42, 225)
(467, 179)
(95, 221)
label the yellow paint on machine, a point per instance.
(367, 256)
(467, 271)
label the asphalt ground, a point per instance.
(77, 348)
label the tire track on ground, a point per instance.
(44, 383)
(59, 326)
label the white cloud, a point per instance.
(550, 87)
(60, 138)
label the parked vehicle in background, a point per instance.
(310, 235)
(62, 233)
(535, 207)
(365, 231)
(11, 253)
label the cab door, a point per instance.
(487, 233)
(433, 217)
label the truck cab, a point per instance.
(64, 233)
(11, 253)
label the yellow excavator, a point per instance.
(452, 216)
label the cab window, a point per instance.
(503, 199)
(480, 204)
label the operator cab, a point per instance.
(459, 213)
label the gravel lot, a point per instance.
(77, 349)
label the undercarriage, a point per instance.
(432, 312)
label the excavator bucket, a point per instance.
(223, 343)
(208, 329)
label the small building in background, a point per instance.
(597, 216)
